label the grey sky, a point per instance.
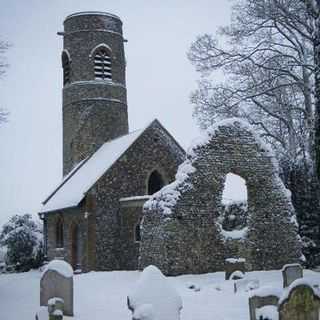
(159, 82)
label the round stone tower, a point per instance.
(94, 90)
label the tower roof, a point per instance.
(92, 13)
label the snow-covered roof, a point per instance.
(76, 184)
(94, 13)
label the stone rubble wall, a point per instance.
(180, 233)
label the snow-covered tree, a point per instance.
(23, 239)
(313, 9)
(268, 55)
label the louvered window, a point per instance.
(102, 65)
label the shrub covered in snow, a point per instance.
(154, 298)
(23, 239)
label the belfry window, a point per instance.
(155, 182)
(102, 64)
(59, 233)
(66, 68)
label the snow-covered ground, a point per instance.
(103, 295)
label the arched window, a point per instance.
(102, 64)
(137, 233)
(66, 67)
(155, 182)
(59, 233)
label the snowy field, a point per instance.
(103, 295)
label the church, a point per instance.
(92, 218)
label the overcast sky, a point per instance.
(159, 81)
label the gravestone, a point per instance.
(154, 297)
(234, 264)
(57, 282)
(263, 297)
(290, 273)
(300, 302)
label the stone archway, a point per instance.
(180, 233)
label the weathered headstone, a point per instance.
(290, 273)
(265, 296)
(299, 302)
(154, 297)
(57, 282)
(234, 264)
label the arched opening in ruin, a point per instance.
(235, 189)
(234, 204)
(155, 182)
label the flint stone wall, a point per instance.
(180, 229)
(107, 234)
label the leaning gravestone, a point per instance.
(57, 282)
(299, 302)
(154, 298)
(290, 273)
(234, 264)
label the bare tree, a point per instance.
(313, 8)
(3, 66)
(267, 59)
(270, 56)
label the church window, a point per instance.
(137, 233)
(66, 67)
(102, 64)
(155, 182)
(59, 233)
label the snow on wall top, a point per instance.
(75, 185)
(154, 290)
(166, 198)
(59, 266)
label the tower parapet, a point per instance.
(94, 91)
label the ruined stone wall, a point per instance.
(180, 229)
(154, 149)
